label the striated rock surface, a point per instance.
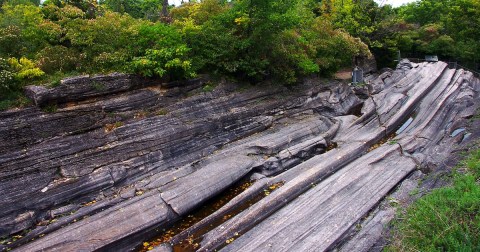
(111, 172)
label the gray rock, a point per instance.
(164, 153)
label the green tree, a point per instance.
(257, 40)
(163, 53)
(20, 31)
(19, 2)
(105, 41)
(448, 28)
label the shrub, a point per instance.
(162, 52)
(13, 74)
(55, 13)
(6, 76)
(108, 61)
(19, 29)
(105, 40)
(10, 37)
(59, 58)
(24, 69)
(160, 62)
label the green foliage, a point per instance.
(90, 8)
(167, 53)
(20, 34)
(447, 219)
(104, 40)
(20, 2)
(52, 59)
(198, 13)
(24, 69)
(6, 75)
(14, 72)
(256, 40)
(447, 28)
(335, 48)
(159, 62)
(147, 9)
(252, 40)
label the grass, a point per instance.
(98, 86)
(50, 108)
(447, 219)
(161, 112)
(209, 87)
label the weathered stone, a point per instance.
(301, 229)
(83, 87)
(143, 157)
(117, 223)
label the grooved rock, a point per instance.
(109, 167)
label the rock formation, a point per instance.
(108, 172)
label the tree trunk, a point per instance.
(164, 13)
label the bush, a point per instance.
(13, 74)
(160, 62)
(59, 58)
(161, 52)
(20, 32)
(6, 76)
(105, 40)
(24, 69)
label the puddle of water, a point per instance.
(404, 126)
(466, 136)
(457, 132)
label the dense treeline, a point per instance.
(447, 28)
(251, 40)
(247, 39)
